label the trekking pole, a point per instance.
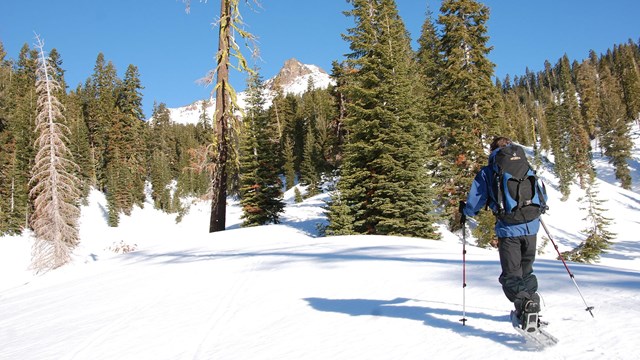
(463, 220)
(589, 308)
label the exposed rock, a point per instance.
(290, 72)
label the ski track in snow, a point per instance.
(223, 313)
(85, 350)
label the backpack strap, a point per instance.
(541, 192)
(498, 196)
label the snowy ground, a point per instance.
(281, 292)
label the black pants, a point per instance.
(517, 255)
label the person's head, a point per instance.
(499, 142)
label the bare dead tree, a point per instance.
(55, 188)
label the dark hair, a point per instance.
(499, 142)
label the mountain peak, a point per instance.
(293, 70)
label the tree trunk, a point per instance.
(219, 180)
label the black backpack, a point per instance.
(520, 196)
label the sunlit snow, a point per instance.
(281, 292)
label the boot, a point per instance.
(532, 305)
(530, 319)
(522, 298)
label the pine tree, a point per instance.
(531, 92)
(160, 178)
(384, 182)
(204, 123)
(260, 184)
(328, 137)
(484, 232)
(189, 183)
(309, 167)
(161, 159)
(522, 113)
(628, 70)
(317, 110)
(130, 114)
(160, 128)
(21, 124)
(615, 128)
(511, 128)
(283, 114)
(120, 166)
(558, 121)
(587, 86)
(79, 143)
(99, 111)
(199, 180)
(465, 98)
(527, 133)
(429, 63)
(339, 217)
(569, 139)
(338, 73)
(598, 236)
(7, 143)
(289, 166)
(429, 59)
(294, 128)
(55, 189)
(543, 98)
(578, 144)
(57, 72)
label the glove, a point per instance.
(463, 217)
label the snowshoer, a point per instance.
(516, 241)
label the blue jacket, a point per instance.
(479, 196)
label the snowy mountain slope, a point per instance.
(566, 219)
(293, 78)
(280, 292)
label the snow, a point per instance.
(282, 292)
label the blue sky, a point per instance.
(173, 49)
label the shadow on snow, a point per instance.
(430, 316)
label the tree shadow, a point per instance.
(632, 200)
(306, 226)
(430, 316)
(104, 212)
(292, 254)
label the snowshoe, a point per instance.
(530, 319)
(533, 334)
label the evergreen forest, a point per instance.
(397, 140)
